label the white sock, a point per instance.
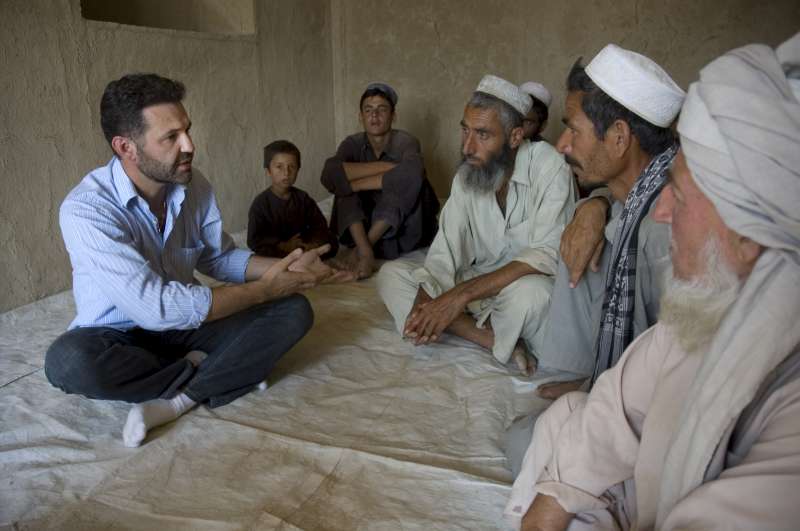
(262, 386)
(147, 415)
(196, 357)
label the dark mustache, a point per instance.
(572, 162)
(184, 158)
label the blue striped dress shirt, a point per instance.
(127, 274)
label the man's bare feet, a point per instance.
(524, 362)
(554, 390)
(360, 263)
(365, 266)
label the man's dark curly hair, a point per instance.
(603, 111)
(123, 100)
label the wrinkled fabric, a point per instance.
(602, 454)
(740, 132)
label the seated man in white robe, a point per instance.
(488, 274)
(698, 425)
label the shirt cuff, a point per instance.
(201, 305)
(542, 260)
(571, 499)
(426, 281)
(236, 266)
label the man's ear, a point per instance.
(618, 138)
(515, 138)
(124, 147)
(747, 251)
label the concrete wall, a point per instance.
(434, 53)
(299, 77)
(242, 92)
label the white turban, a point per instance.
(740, 134)
(538, 91)
(637, 83)
(506, 91)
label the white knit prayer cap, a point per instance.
(538, 91)
(506, 91)
(637, 83)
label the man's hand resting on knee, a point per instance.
(429, 317)
(583, 239)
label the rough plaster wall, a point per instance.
(296, 81)
(43, 144)
(434, 53)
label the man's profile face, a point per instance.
(582, 149)
(165, 149)
(376, 115)
(694, 221)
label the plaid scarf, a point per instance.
(616, 326)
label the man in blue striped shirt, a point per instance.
(146, 331)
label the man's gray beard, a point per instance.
(490, 176)
(693, 309)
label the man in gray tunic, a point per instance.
(384, 204)
(617, 116)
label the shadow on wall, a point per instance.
(228, 17)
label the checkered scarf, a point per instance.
(616, 326)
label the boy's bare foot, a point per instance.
(554, 390)
(524, 362)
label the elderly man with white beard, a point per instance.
(488, 274)
(698, 425)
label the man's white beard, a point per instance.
(693, 309)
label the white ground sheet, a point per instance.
(358, 430)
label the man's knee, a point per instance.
(71, 364)
(397, 288)
(299, 315)
(528, 295)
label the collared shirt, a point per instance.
(475, 237)
(125, 272)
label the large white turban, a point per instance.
(740, 134)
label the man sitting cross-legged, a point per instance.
(136, 229)
(384, 205)
(487, 276)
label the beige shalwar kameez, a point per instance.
(602, 455)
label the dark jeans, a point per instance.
(138, 365)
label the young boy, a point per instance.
(282, 217)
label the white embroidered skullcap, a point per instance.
(637, 83)
(506, 91)
(538, 91)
